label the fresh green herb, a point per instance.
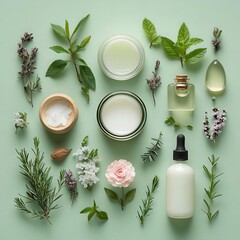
(152, 152)
(40, 192)
(83, 71)
(178, 49)
(124, 197)
(151, 32)
(170, 121)
(211, 190)
(94, 211)
(27, 68)
(216, 36)
(147, 203)
(155, 82)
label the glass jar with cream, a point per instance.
(121, 57)
(121, 115)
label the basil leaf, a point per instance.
(102, 215)
(81, 22)
(111, 194)
(130, 195)
(90, 215)
(59, 30)
(168, 46)
(56, 67)
(195, 55)
(67, 29)
(59, 49)
(183, 34)
(86, 210)
(87, 76)
(83, 43)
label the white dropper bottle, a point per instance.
(180, 184)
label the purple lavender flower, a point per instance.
(71, 184)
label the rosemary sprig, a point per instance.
(211, 190)
(147, 203)
(41, 196)
(170, 121)
(152, 153)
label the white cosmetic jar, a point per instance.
(121, 57)
(121, 115)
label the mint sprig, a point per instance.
(73, 47)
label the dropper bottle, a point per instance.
(180, 184)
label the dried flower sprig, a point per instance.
(20, 120)
(216, 34)
(147, 203)
(154, 82)
(87, 164)
(211, 190)
(71, 184)
(102, 215)
(40, 192)
(219, 118)
(28, 67)
(152, 152)
(170, 121)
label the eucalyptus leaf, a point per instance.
(111, 194)
(56, 67)
(59, 49)
(80, 23)
(59, 30)
(87, 77)
(195, 56)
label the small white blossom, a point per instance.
(20, 120)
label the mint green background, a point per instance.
(110, 17)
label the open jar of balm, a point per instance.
(121, 57)
(121, 115)
(58, 113)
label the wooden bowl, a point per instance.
(56, 98)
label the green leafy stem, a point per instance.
(178, 49)
(84, 74)
(170, 121)
(211, 190)
(125, 197)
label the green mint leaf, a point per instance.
(59, 49)
(80, 23)
(102, 215)
(149, 29)
(90, 215)
(59, 30)
(130, 195)
(67, 29)
(168, 46)
(183, 34)
(156, 40)
(195, 55)
(111, 194)
(87, 77)
(193, 41)
(83, 43)
(56, 67)
(86, 210)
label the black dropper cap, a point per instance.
(180, 153)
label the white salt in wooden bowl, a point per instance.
(58, 113)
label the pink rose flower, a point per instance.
(120, 173)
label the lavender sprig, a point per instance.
(216, 34)
(28, 66)
(71, 184)
(219, 118)
(155, 82)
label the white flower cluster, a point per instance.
(20, 120)
(87, 165)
